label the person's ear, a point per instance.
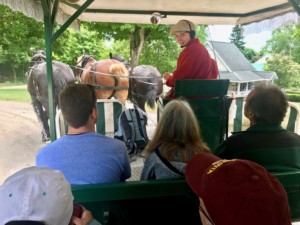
(94, 113)
(249, 115)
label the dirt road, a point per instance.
(20, 137)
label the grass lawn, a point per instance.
(15, 94)
(21, 94)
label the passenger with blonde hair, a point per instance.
(176, 140)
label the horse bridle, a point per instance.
(84, 60)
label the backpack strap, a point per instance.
(167, 163)
(142, 124)
(130, 141)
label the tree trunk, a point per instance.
(137, 40)
(14, 74)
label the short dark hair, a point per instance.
(267, 103)
(76, 102)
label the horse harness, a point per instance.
(93, 79)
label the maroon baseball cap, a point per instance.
(237, 191)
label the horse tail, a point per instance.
(151, 94)
(151, 97)
(121, 81)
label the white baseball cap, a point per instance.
(36, 194)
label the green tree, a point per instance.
(287, 70)
(73, 44)
(237, 37)
(282, 41)
(18, 35)
(285, 40)
(250, 54)
(284, 47)
(136, 34)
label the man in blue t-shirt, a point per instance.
(84, 156)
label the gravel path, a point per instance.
(20, 137)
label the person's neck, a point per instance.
(80, 130)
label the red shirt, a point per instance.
(194, 62)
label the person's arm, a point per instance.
(127, 168)
(184, 67)
(86, 218)
(148, 172)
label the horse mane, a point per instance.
(120, 59)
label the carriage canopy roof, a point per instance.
(201, 12)
(222, 12)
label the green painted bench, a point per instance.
(140, 202)
(210, 103)
(159, 201)
(291, 184)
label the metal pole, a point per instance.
(47, 9)
(295, 6)
(50, 12)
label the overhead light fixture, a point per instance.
(156, 18)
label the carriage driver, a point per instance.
(194, 61)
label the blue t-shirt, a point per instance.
(88, 158)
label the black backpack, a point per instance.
(132, 130)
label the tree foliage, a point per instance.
(287, 70)
(250, 54)
(18, 35)
(237, 37)
(73, 44)
(285, 40)
(284, 48)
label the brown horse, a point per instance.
(108, 76)
(37, 87)
(145, 84)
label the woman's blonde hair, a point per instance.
(177, 131)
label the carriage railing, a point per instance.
(239, 122)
